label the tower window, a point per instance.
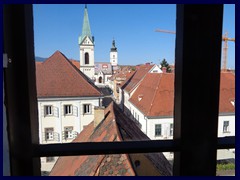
(86, 58)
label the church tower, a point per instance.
(86, 46)
(113, 55)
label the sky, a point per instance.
(58, 26)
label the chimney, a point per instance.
(164, 69)
(98, 115)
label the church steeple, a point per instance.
(86, 30)
(113, 54)
(86, 48)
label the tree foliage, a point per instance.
(164, 63)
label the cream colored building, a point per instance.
(66, 102)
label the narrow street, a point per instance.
(107, 92)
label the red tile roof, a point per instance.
(135, 79)
(57, 77)
(155, 95)
(75, 63)
(227, 92)
(115, 127)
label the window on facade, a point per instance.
(49, 134)
(158, 130)
(48, 110)
(68, 132)
(171, 129)
(87, 108)
(49, 159)
(225, 126)
(86, 58)
(67, 109)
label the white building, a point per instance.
(151, 105)
(66, 101)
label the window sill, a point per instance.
(226, 132)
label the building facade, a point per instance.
(152, 103)
(66, 102)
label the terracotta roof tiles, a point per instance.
(155, 95)
(110, 129)
(136, 77)
(57, 77)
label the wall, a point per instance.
(58, 120)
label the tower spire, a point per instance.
(86, 30)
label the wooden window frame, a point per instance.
(192, 39)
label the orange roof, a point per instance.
(227, 92)
(57, 77)
(115, 127)
(155, 94)
(136, 77)
(75, 63)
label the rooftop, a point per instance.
(114, 127)
(58, 77)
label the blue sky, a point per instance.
(57, 27)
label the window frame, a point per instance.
(87, 109)
(49, 131)
(158, 130)
(68, 133)
(226, 127)
(48, 108)
(68, 109)
(31, 165)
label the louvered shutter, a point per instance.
(75, 111)
(55, 111)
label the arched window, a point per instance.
(86, 58)
(100, 79)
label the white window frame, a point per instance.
(49, 134)
(226, 127)
(87, 108)
(68, 132)
(68, 109)
(157, 129)
(48, 110)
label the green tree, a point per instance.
(164, 63)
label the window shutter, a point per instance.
(42, 111)
(90, 109)
(75, 111)
(62, 108)
(55, 111)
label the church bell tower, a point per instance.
(86, 47)
(113, 55)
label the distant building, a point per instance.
(66, 101)
(130, 85)
(151, 103)
(96, 71)
(111, 126)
